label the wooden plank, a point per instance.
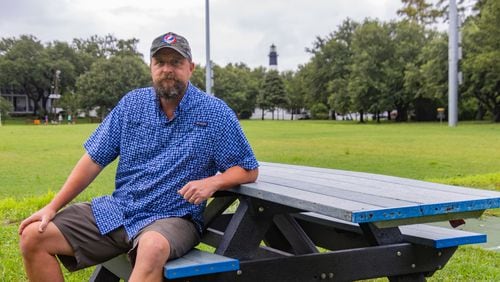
(198, 262)
(313, 171)
(304, 200)
(453, 210)
(394, 202)
(330, 190)
(355, 211)
(370, 187)
(422, 234)
(439, 237)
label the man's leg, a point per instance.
(39, 250)
(152, 253)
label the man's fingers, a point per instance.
(43, 224)
(23, 225)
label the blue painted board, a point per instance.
(439, 237)
(198, 262)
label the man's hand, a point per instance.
(45, 215)
(198, 191)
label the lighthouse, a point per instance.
(273, 58)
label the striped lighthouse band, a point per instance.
(173, 41)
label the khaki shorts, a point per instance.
(77, 224)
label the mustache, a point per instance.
(168, 77)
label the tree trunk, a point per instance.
(481, 111)
(262, 114)
(402, 113)
(496, 113)
(361, 119)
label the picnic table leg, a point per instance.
(102, 274)
(385, 236)
(287, 235)
(245, 231)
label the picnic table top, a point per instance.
(364, 197)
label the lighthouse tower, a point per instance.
(273, 58)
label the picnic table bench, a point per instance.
(299, 223)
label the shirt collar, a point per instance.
(187, 99)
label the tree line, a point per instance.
(397, 68)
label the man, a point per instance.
(172, 140)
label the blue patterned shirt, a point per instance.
(158, 156)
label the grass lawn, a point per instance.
(35, 160)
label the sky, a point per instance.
(240, 31)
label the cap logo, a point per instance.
(169, 39)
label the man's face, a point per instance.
(170, 72)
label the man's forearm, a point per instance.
(234, 176)
(200, 190)
(84, 172)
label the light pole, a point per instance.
(54, 96)
(453, 65)
(208, 67)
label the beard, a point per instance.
(163, 90)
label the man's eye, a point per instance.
(175, 62)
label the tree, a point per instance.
(372, 50)
(419, 11)
(331, 60)
(5, 108)
(296, 90)
(402, 80)
(198, 77)
(482, 59)
(71, 103)
(109, 79)
(340, 100)
(273, 93)
(431, 78)
(26, 67)
(234, 84)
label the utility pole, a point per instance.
(208, 66)
(453, 65)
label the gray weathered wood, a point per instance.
(364, 197)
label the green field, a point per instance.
(35, 160)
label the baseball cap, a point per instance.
(172, 41)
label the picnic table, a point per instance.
(299, 223)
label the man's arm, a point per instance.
(198, 191)
(84, 172)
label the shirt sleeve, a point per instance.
(103, 146)
(232, 147)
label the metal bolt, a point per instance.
(398, 253)
(239, 272)
(330, 275)
(440, 254)
(323, 275)
(413, 265)
(261, 209)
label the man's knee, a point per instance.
(154, 246)
(30, 240)
(50, 241)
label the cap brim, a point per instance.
(173, 48)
